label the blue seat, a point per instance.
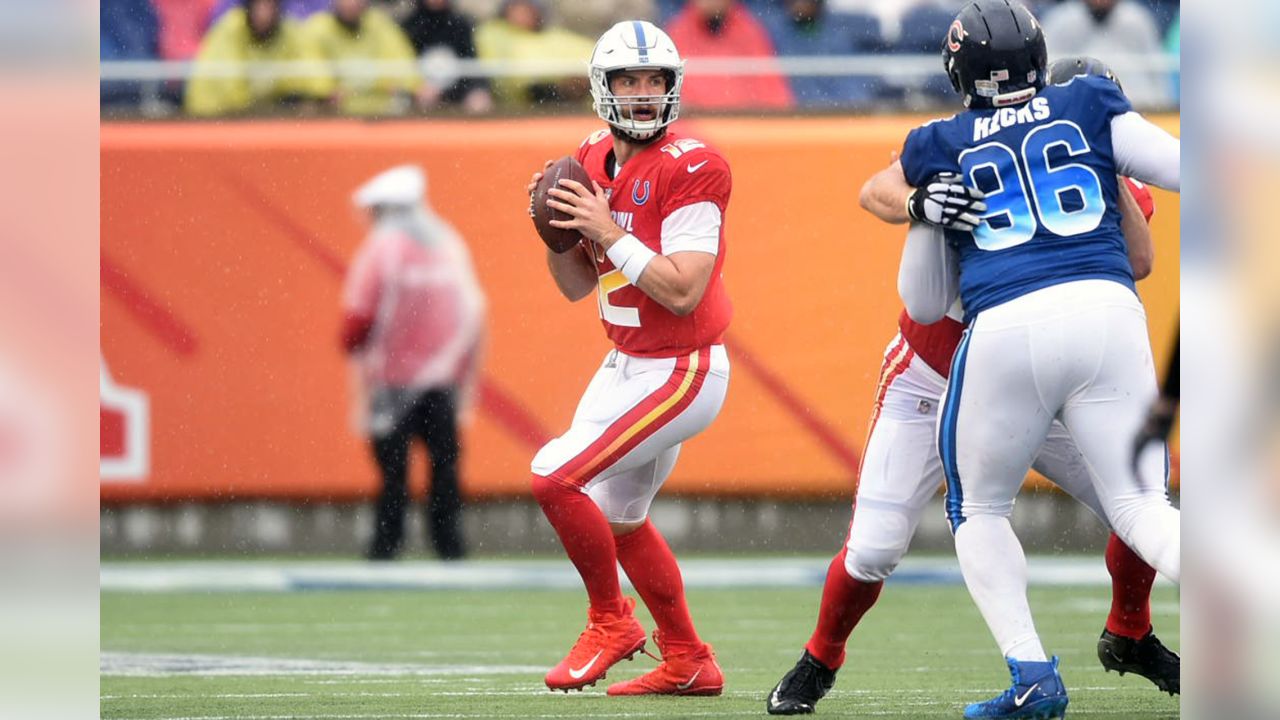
(128, 30)
(923, 28)
(836, 34)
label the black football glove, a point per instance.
(947, 202)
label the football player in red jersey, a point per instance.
(901, 471)
(653, 246)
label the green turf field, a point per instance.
(923, 652)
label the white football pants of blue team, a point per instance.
(1077, 352)
(901, 470)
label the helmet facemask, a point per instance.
(617, 110)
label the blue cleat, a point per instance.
(1037, 694)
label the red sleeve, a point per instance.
(1142, 194)
(698, 176)
(585, 147)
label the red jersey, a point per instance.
(667, 175)
(936, 343)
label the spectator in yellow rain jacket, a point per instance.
(353, 31)
(521, 33)
(226, 80)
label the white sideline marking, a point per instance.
(220, 696)
(170, 665)
(428, 715)
(1103, 604)
(290, 576)
(242, 696)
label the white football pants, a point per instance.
(627, 430)
(901, 471)
(1077, 352)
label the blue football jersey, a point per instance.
(1048, 171)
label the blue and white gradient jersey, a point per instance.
(1049, 171)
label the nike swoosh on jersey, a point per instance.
(687, 685)
(695, 168)
(1017, 701)
(579, 672)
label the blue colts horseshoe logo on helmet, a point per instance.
(639, 194)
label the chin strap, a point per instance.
(625, 135)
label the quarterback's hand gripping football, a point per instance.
(589, 211)
(947, 202)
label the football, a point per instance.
(558, 239)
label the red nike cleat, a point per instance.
(607, 640)
(681, 672)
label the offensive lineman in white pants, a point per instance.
(1056, 330)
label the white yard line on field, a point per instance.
(556, 716)
(173, 664)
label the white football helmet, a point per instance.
(636, 45)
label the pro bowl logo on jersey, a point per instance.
(640, 195)
(955, 36)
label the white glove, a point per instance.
(946, 202)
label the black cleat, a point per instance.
(1147, 657)
(802, 688)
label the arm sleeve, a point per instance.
(928, 276)
(692, 228)
(1146, 152)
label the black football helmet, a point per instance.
(1063, 69)
(994, 54)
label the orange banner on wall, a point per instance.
(224, 245)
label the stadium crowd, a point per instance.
(416, 46)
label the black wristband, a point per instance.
(913, 200)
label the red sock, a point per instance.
(844, 601)
(587, 539)
(1131, 579)
(652, 567)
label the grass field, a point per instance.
(923, 652)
